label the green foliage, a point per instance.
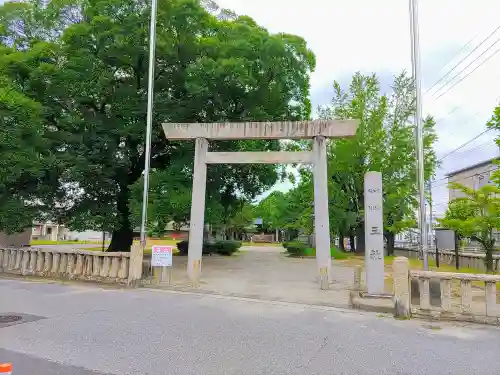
(303, 250)
(384, 142)
(475, 215)
(227, 247)
(78, 73)
(295, 248)
(220, 247)
(183, 247)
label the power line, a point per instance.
(450, 60)
(470, 53)
(473, 70)
(465, 144)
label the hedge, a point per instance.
(295, 248)
(302, 250)
(219, 247)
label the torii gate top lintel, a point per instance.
(261, 130)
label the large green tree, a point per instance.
(84, 64)
(384, 142)
(476, 215)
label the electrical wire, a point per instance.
(473, 70)
(465, 144)
(470, 53)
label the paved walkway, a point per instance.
(265, 273)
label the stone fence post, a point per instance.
(400, 270)
(135, 265)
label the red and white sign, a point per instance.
(162, 256)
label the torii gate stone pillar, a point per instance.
(317, 130)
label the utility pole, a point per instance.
(431, 222)
(414, 30)
(149, 120)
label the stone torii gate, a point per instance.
(318, 131)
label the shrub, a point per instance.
(227, 247)
(300, 249)
(183, 247)
(209, 248)
(296, 248)
(285, 244)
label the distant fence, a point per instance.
(70, 264)
(466, 259)
(262, 238)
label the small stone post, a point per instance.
(400, 268)
(135, 265)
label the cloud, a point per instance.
(373, 36)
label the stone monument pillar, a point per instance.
(374, 233)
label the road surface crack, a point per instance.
(316, 353)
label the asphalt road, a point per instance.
(84, 329)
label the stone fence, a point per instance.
(68, 264)
(465, 259)
(460, 296)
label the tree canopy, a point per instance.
(476, 214)
(384, 142)
(80, 70)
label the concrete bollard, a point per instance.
(400, 270)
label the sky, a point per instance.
(373, 36)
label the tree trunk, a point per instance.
(360, 235)
(488, 260)
(123, 236)
(391, 239)
(352, 243)
(341, 242)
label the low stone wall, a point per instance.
(455, 297)
(433, 295)
(67, 264)
(465, 259)
(457, 305)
